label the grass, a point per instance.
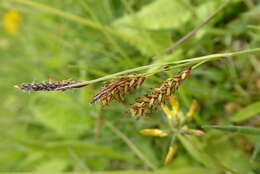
(96, 41)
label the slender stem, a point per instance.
(109, 37)
(235, 129)
(195, 30)
(253, 27)
(181, 62)
(198, 64)
(164, 69)
(131, 145)
(215, 161)
(141, 28)
(72, 17)
(78, 160)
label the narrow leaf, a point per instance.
(236, 129)
(195, 153)
(247, 112)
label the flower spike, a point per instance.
(159, 95)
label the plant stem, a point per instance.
(195, 30)
(215, 161)
(72, 17)
(109, 37)
(131, 145)
(180, 62)
(235, 129)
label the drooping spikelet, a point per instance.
(159, 95)
(49, 86)
(116, 89)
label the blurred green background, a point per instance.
(87, 39)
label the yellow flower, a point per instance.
(193, 109)
(154, 132)
(11, 21)
(167, 111)
(170, 154)
(175, 104)
(177, 125)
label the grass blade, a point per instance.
(131, 145)
(179, 63)
(247, 112)
(75, 18)
(235, 129)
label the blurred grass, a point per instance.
(86, 39)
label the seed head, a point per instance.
(48, 86)
(159, 95)
(117, 89)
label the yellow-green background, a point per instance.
(87, 39)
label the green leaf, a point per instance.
(156, 15)
(148, 30)
(195, 170)
(61, 113)
(159, 15)
(82, 149)
(53, 165)
(247, 112)
(236, 129)
(193, 151)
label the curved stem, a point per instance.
(214, 161)
(180, 62)
(131, 145)
(195, 30)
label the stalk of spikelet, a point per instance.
(159, 95)
(49, 86)
(117, 89)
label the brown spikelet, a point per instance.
(116, 89)
(49, 86)
(159, 95)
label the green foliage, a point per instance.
(88, 39)
(236, 129)
(62, 113)
(247, 112)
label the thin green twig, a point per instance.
(140, 27)
(215, 161)
(73, 17)
(109, 37)
(131, 145)
(180, 62)
(235, 129)
(195, 30)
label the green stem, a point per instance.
(72, 17)
(215, 161)
(131, 145)
(180, 62)
(109, 37)
(195, 30)
(235, 129)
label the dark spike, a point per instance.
(117, 89)
(48, 86)
(159, 95)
